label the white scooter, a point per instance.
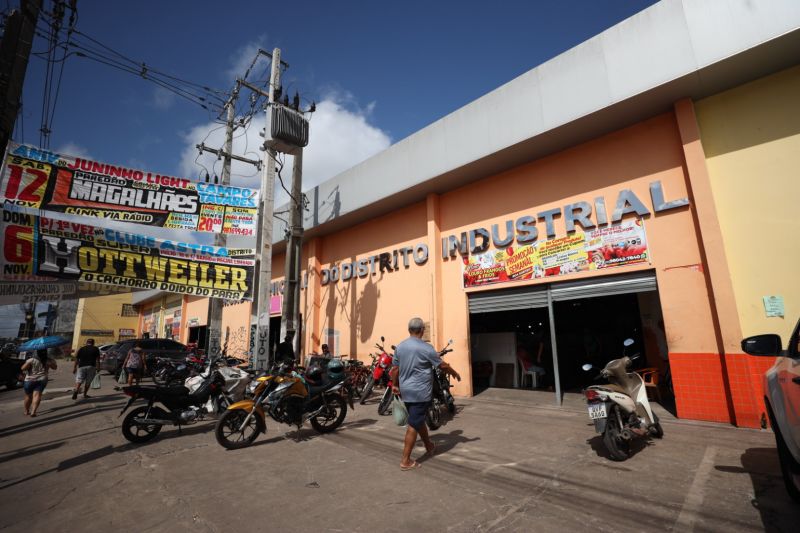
(236, 382)
(620, 409)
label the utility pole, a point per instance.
(261, 306)
(215, 305)
(290, 313)
(15, 50)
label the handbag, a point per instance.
(399, 411)
(123, 378)
(96, 381)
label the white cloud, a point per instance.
(341, 136)
(163, 99)
(242, 58)
(74, 150)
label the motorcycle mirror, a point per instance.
(628, 342)
(450, 342)
(587, 367)
(383, 339)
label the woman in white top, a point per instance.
(36, 371)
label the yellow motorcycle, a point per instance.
(291, 398)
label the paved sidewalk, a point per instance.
(501, 465)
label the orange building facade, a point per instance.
(573, 222)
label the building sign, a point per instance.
(38, 179)
(608, 247)
(383, 262)
(66, 250)
(97, 332)
(524, 230)
(126, 333)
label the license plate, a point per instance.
(597, 410)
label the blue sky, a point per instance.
(379, 71)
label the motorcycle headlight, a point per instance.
(251, 387)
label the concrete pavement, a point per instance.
(503, 463)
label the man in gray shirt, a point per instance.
(412, 380)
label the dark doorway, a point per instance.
(197, 335)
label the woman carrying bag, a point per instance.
(135, 364)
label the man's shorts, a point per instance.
(416, 413)
(30, 386)
(85, 374)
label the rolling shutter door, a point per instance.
(606, 286)
(508, 299)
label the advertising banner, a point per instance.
(38, 179)
(607, 247)
(15, 288)
(41, 246)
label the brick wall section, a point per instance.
(699, 388)
(701, 392)
(745, 375)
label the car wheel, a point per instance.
(789, 467)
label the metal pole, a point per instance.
(260, 318)
(215, 305)
(553, 344)
(290, 315)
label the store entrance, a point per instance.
(592, 330)
(511, 349)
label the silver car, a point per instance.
(782, 388)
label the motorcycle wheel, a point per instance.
(386, 402)
(367, 389)
(434, 415)
(359, 385)
(227, 430)
(332, 417)
(138, 433)
(451, 403)
(657, 431)
(618, 448)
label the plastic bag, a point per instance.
(96, 381)
(399, 411)
(123, 378)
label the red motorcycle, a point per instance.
(381, 365)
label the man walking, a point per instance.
(86, 362)
(412, 379)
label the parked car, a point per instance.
(10, 372)
(111, 361)
(782, 389)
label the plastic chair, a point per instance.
(650, 377)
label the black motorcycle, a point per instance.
(441, 394)
(182, 406)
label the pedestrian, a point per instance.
(412, 380)
(284, 353)
(37, 369)
(135, 364)
(86, 366)
(326, 352)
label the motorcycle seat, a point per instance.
(324, 384)
(612, 388)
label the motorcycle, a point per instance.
(183, 406)
(620, 409)
(169, 372)
(380, 371)
(290, 398)
(441, 396)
